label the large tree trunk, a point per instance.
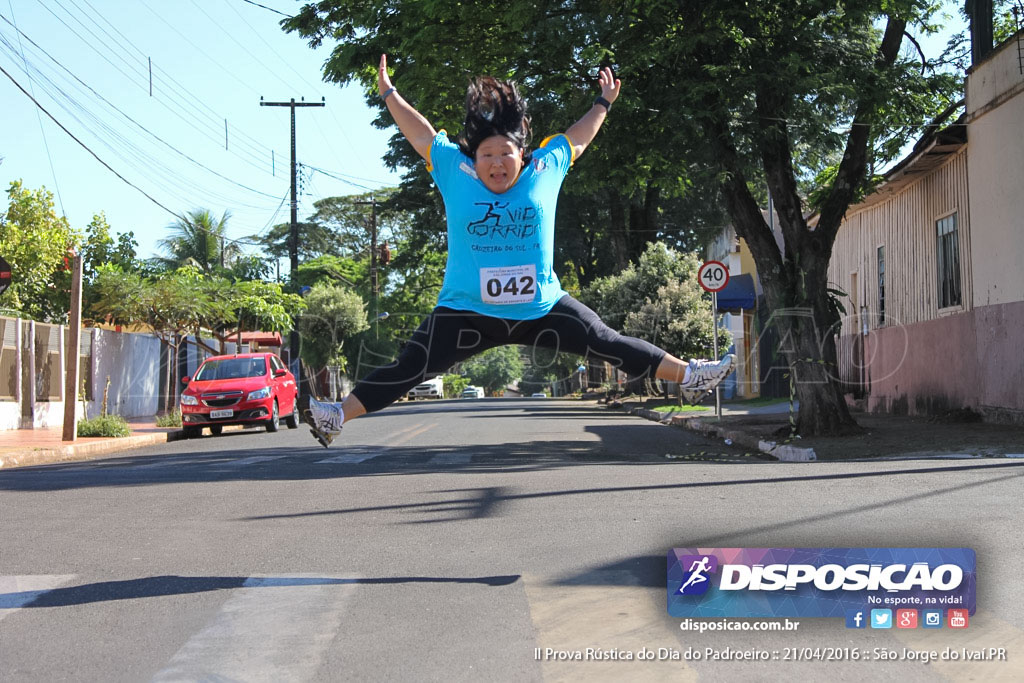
(619, 231)
(808, 345)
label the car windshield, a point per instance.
(232, 368)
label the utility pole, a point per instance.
(293, 240)
(373, 260)
(70, 432)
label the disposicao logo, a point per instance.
(818, 582)
(695, 580)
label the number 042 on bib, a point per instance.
(508, 284)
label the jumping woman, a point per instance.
(500, 286)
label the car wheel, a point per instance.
(293, 420)
(275, 420)
(192, 432)
(216, 430)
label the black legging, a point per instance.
(448, 336)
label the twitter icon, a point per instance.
(881, 618)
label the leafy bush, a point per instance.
(105, 425)
(454, 384)
(171, 419)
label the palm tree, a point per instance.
(199, 239)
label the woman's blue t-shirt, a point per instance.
(501, 246)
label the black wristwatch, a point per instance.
(603, 102)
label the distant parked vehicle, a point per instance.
(433, 388)
(249, 389)
(538, 395)
(473, 392)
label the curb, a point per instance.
(782, 452)
(84, 451)
(89, 451)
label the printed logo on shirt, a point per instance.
(500, 219)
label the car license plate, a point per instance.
(217, 414)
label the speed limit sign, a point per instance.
(713, 276)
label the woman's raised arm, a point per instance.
(582, 132)
(416, 129)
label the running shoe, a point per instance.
(324, 419)
(705, 375)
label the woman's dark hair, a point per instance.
(494, 107)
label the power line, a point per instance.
(270, 9)
(212, 117)
(42, 130)
(125, 149)
(132, 120)
(338, 177)
(84, 146)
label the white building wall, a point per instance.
(995, 165)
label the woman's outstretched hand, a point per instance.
(383, 80)
(609, 84)
(416, 129)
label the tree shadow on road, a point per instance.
(159, 586)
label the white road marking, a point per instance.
(256, 459)
(271, 629)
(18, 591)
(349, 458)
(451, 459)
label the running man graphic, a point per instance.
(697, 571)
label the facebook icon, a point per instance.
(855, 619)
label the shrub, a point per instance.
(171, 419)
(105, 425)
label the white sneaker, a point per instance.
(705, 375)
(325, 419)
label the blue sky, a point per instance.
(212, 60)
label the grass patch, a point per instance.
(681, 409)
(171, 419)
(106, 425)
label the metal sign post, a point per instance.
(718, 387)
(713, 276)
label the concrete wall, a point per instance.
(970, 360)
(995, 162)
(10, 415)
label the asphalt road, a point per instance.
(449, 540)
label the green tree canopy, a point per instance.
(659, 300)
(494, 369)
(199, 238)
(334, 313)
(35, 241)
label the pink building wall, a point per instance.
(967, 360)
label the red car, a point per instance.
(248, 389)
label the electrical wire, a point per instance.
(133, 121)
(126, 149)
(39, 118)
(271, 9)
(84, 146)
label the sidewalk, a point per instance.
(22, 447)
(765, 429)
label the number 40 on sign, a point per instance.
(713, 276)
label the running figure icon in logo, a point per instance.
(696, 582)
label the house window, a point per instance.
(881, 286)
(948, 250)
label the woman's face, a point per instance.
(498, 162)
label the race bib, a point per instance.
(508, 284)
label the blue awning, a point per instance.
(739, 294)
